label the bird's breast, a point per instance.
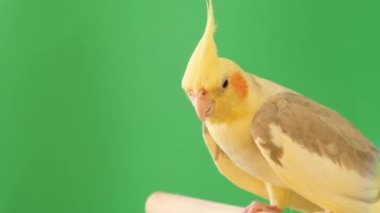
(235, 140)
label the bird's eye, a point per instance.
(225, 83)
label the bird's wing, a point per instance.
(317, 153)
(245, 181)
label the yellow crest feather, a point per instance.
(202, 69)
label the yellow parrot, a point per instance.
(276, 143)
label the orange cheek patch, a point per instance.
(239, 84)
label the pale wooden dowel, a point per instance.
(160, 202)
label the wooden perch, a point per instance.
(160, 202)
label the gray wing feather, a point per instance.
(318, 129)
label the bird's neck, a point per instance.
(259, 91)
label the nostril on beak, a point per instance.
(203, 93)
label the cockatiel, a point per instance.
(276, 143)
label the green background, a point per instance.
(92, 115)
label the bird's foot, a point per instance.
(256, 207)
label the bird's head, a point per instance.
(215, 86)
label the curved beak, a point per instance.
(203, 104)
